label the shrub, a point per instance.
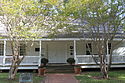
(44, 61)
(71, 61)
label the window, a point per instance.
(109, 48)
(22, 49)
(37, 49)
(1, 49)
(88, 48)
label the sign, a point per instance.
(26, 78)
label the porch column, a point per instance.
(4, 56)
(75, 52)
(40, 49)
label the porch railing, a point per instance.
(28, 60)
(1, 60)
(87, 59)
(81, 59)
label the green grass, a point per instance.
(4, 78)
(115, 77)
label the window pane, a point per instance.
(1, 49)
(22, 49)
(88, 49)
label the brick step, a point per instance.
(60, 69)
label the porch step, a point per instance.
(60, 69)
(58, 64)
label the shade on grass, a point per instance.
(4, 78)
(115, 77)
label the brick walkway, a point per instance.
(60, 78)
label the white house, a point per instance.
(58, 50)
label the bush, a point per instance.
(71, 61)
(44, 61)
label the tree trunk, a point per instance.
(104, 71)
(12, 72)
(14, 67)
(103, 67)
(16, 60)
(110, 60)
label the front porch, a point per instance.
(58, 51)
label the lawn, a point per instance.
(115, 77)
(4, 78)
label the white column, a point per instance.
(107, 52)
(75, 52)
(40, 50)
(107, 48)
(4, 53)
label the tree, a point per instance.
(105, 20)
(100, 20)
(23, 20)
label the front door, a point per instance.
(57, 52)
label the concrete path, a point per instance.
(60, 78)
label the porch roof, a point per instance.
(58, 39)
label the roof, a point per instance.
(79, 33)
(87, 35)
